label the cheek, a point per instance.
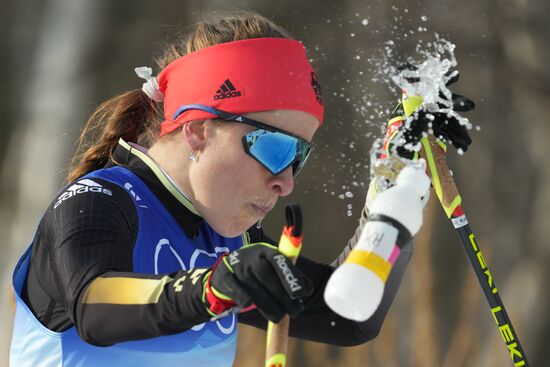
(230, 174)
(227, 182)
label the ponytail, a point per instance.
(131, 116)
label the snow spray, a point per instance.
(355, 289)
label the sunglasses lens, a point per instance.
(277, 151)
(304, 150)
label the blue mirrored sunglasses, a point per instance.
(273, 148)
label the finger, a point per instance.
(404, 152)
(294, 308)
(452, 131)
(453, 75)
(441, 133)
(268, 277)
(228, 284)
(461, 141)
(463, 104)
(264, 301)
(449, 129)
(412, 130)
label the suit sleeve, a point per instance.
(319, 323)
(93, 235)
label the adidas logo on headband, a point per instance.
(227, 90)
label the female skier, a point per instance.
(152, 254)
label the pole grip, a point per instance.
(440, 175)
(290, 245)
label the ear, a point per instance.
(194, 133)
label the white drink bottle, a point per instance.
(355, 289)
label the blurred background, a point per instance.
(60, 58)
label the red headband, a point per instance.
(253, 75)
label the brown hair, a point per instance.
(136, 118)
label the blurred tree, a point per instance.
(50, 91)
(63, 57)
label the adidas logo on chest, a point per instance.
(227, 90)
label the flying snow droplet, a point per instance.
(349, 194)
(365, 21)
(357, 57)
(424, 18)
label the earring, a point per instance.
(193, 155)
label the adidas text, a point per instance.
(80, 187)
(227, 95)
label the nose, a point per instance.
(283, 183)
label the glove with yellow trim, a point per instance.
(256, 274)
(411, 120)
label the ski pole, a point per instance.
(289, 245)
(449, 197)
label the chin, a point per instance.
(233, 230)
(230, 234)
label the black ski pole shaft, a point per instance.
(449, 197)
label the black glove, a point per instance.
(402, 134)
(257, 274)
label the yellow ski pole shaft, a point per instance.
(289, 245)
